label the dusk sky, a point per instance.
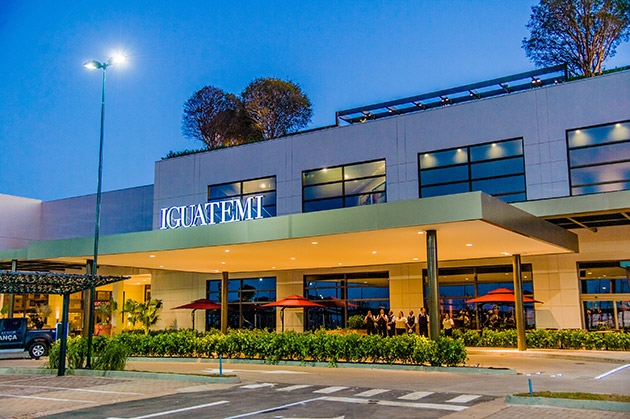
(342, 53)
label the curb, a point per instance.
(375, 366)
(127, 374)
(569, 403)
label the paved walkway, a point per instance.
(49, 394)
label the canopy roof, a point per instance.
(471, 225)
(17, 282)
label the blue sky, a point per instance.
(342, 53)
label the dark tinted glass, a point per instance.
(445, 189)
(498, 186)
(444, 175)
(509, 166)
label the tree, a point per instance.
(147, 313)
(276, 107)
(216, 118)
(581, 33)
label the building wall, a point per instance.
(540, 116)
(21, 221)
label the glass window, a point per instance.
(324, 175)
(619, 131)
(345, 295)
(443, 158)
(458, 285)
(245, 299)
(344, 186)
(445, 175)
(605, 295)
(500, 186)
(495, 168)
(364, 170)
(496, 150)
(244, 189)
(599, 158)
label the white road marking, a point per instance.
(261, 385)
(273, 409)
(50, 399)
(611, 372)
(329, 390)
(71, 389)
(295, 387)
(374, 392)
(416, 395)
(434, 406)
(464, 398)
(184, 409)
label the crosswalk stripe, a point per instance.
(416, 395)
(295, 387)
(374, 392)
(464, 398)
(328, 390)
(261, 385)
(435, 406)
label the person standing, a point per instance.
(370, 323)
(381, 323)
(447, 325)
(391, 323)
(412, 323)
(423, 323)
(401, 324)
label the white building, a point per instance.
(528, 165)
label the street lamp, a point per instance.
(95, 65)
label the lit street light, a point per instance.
(95, 65)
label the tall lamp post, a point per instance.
(95, 65)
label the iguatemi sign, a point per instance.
(218, 212)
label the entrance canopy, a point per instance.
(469, 226)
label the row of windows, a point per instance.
(599, 158)
(496, 168)
(599, 161)
(605, 295)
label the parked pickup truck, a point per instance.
(16, 336)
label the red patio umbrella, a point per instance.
(501, 296)
(200, 304)
(292, 301)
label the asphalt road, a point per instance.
(293, 391)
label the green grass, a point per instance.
(578, 396)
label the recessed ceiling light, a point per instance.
(292, 258)
(222, 263)
(314, 243)
(420, 232)
(227, 250)
(151, 256)
(468, 244)
(415, 258)
(373, 252)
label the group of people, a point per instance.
(388, 324)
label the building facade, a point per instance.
(340, 214)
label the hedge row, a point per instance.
(546, 339)
(318, 346)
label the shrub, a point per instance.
(108, 353)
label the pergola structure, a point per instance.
(21, 282)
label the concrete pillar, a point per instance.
(519, 309)
(224, 302)
(434, 295)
